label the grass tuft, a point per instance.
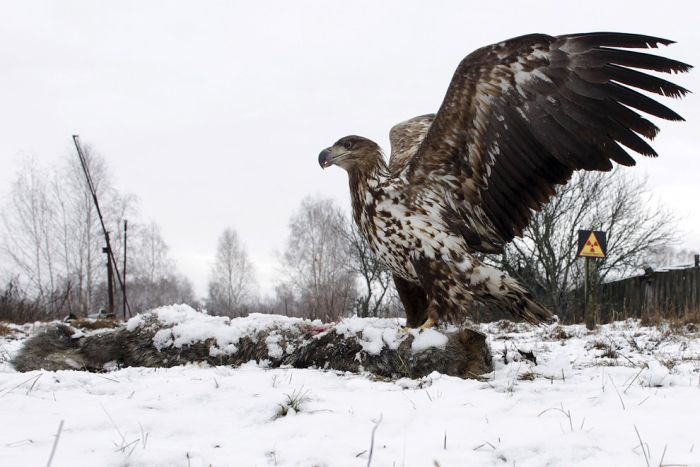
(293, 403)
(608, 350)
(559, 333)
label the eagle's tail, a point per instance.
(506, 293)
(532, 312)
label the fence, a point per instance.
(670, 294)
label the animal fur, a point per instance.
(305, 345)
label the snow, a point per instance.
(274, 350)
(428, 338)
(582, 403)
(555, 367)
(373, 333)
(187, 326)
(657, 376)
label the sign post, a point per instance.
(591, 244)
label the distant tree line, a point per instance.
(53, 265)
(330, 272)
(327, 268)
(51, 245)
(51, 238)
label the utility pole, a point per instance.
(111, 262)
(126, 226)
(110, 278)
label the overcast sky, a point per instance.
(213, 113)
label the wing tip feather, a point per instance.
(620, 39)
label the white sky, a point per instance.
(213, 113)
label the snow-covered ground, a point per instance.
(612, 397)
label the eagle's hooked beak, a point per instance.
(325, 159)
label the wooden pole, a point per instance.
(588, 306)
(113, 264)
(110, 277)
(126, 226)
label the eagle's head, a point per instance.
(352, 153)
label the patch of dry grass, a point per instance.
(559, 333)
(5, 330)
(505, 325)
(608, 351)
(92, 324)
(681, 325)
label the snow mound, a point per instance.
(428, 338)
(372, 333)
(182, 325)
(656, 376)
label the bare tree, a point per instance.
(153, 279)
(232, 277)
(27, 222)
(315, 261)
(148, 257)
(375, 276)
(545, 258)
(285, 302)
(78, 233)
(173, 288)
(16, 306)
(53, 240)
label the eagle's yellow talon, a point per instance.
(429, 323)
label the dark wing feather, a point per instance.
(520, 116)
(405, 139)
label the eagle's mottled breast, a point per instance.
(402, 229)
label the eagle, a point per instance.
(519, 117)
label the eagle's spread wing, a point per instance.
(405, 138)
(520, 116)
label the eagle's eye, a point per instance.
(347, 145)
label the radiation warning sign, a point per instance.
(592, 244)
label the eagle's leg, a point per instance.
(414, 301)
(429, 323)
(442, 285)
(432, 315)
